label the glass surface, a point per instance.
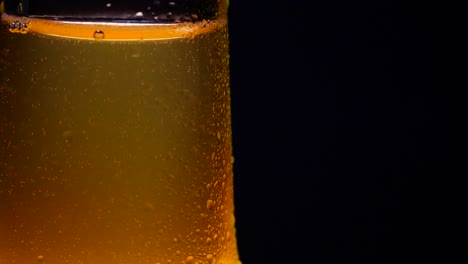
(161, 11)
(115, 143)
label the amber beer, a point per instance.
(115, 138)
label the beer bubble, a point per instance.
(98, 34)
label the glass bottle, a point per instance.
(115, 133)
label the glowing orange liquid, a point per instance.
(116, 151)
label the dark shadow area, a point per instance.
(339, 138)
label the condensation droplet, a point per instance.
(189, 259)
(209, 204)
(108, 5)
(149, 206)
(208, 241)
(40, 258)
(98, 34)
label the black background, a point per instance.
(341, 143)
(342, 133)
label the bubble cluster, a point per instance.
(18, 27)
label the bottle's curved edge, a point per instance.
(108, 31)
